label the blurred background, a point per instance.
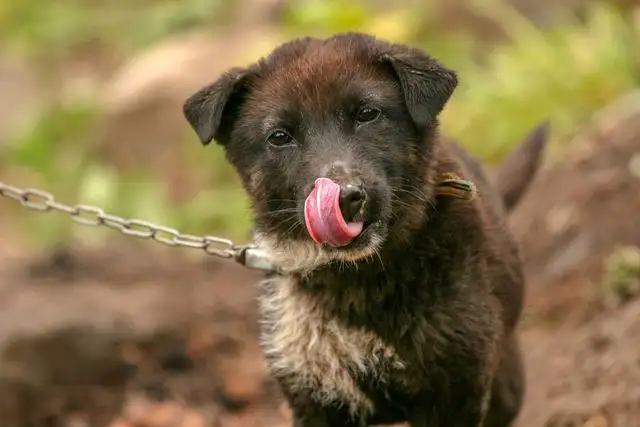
(99, 329)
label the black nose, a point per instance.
(351, 200)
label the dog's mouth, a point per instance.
(324, 218)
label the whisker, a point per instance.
(376, 251)
(278, 212)
(292, 227)
(283, 200)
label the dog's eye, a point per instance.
(367, 114)
(280, 139)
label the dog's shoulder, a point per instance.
(488, 217)
(455, 157)
(487, 206)
(314, 351)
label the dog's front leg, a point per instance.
(467, 411)
(454, 418)
(306, 419)
(311, 415)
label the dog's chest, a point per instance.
(316, 353)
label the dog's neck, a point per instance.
(391, 284)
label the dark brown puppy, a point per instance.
(413, 320)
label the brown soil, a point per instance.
(131, 336)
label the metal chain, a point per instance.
(41, 201)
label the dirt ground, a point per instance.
(131, 335)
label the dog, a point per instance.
(393, 302)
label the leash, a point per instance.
(249, 255)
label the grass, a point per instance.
(621, 281)
(564, 74)
(60, 26)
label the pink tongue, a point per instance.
(323, 217)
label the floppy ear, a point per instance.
(212, 110)
(427, 85)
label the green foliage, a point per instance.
(44, 146)
(565, 74)
(621, 280)
(221, 208)
(52, 152)
(53, 27)
(327, 16)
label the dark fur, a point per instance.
(434, 285)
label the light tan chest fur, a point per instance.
(321, 356)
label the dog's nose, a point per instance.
(352, 198)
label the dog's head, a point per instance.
(332, 140)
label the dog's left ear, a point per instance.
(427, 85)
(212, 110)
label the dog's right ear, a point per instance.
(427, 85)
(212, 110)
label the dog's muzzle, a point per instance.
(333, 213)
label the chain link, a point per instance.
(91, 216)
